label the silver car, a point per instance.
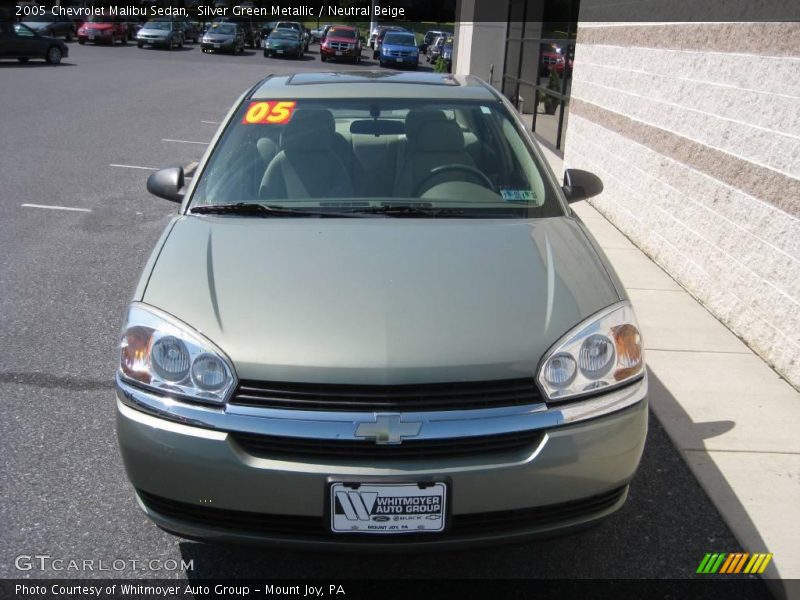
(375, 322)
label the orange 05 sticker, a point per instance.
(275, 113)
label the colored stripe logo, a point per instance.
(737, 562)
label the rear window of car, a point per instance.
(470, 155)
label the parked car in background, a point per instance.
(430, 38)
(381, 34)
(191, 32)
(103, 30)
(435, 49)
(133, 26)
(51, 25)
(319, 33)
(248, 28)
(401, 335)
(298, 27)
(161, 33)
(284, 43)
(447, 54)
(23, 43)
(399, 49)
(224, 37)
(341, 43)
(266, 29)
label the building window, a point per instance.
(537, 72)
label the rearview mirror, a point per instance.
(167, 183)
(580, 185)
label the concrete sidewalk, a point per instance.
(733, 419)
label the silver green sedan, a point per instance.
(376, 323)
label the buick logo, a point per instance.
(387, 429)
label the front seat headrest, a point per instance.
(310, 129)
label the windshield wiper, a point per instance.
(409, 210)
(254, 209)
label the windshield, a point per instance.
(99, 19)
(399, 39)
(350, 153)
(38, 19)
(158, 25)
(223, 29)
(342, 33)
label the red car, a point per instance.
(341, 41)
(103, 30)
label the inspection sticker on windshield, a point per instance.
(269, 112)
(390, 508)
(519, 195)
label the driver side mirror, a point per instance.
(167, 183)
(580, 185)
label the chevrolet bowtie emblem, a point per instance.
(388, 429)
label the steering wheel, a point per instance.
(485, 181)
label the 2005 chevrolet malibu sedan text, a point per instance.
(376, 322)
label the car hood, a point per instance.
(340, 40)
(153, 31)
(398, 47)
(36, 25)
(99, 26)
(381, 301)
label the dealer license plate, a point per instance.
(389, 508)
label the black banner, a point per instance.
(711, 588)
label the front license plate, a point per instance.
(279, 51)
(399, 60)
(338, 53)
(91, 37)
(390, 508)
(216, 46)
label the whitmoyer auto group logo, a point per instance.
(388, 508)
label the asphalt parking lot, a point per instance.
(82, 137)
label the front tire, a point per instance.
(54, 55)
(323, 58)
(140, 44)
(82, 42)
(68, 37)
(124, 40)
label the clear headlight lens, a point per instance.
(159, 352)
(605, 350)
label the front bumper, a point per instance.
(400, 61)
(199, 482)
(284, 51)
(155, 42)
(334, 54)
(96, 37)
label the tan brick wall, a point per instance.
(695, 131)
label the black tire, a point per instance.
(82, 42)
(68, 37)
(265, 54)
(124, 40)
(54, 55)
(323, 58)
(23, 59)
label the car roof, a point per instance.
(373, 84)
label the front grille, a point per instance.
(311, 528)
(399, 53)
(460, 395)
(264, 446)
(340, 46)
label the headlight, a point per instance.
(159, 352)
(602, 352)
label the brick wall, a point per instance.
(695, 130)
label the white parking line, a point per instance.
(49, 207)
(133, 167)
(210, 122)
(184, 142)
